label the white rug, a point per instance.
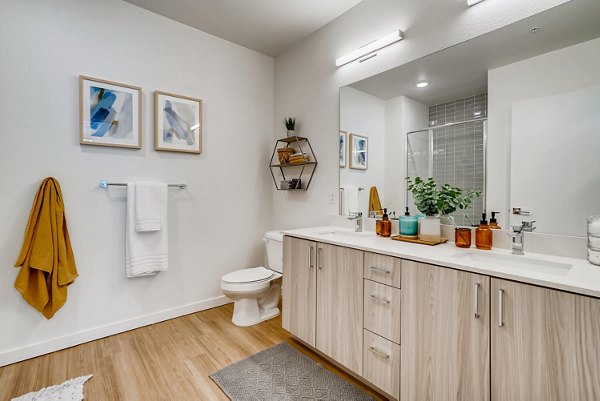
(71, 390)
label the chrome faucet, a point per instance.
(357, 217)
(518, 238)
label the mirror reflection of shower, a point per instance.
(452, 151)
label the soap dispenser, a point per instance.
(483, 234)
(386, 225)
(493, 222)
(409, 225)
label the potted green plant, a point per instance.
(290, 125)
(433, 201)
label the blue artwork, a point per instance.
(360, 152)
(343, 148)
(111, 113)
(178, 123)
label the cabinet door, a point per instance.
(545, 344)
(299, 288)
(340, 304)
(445, 324)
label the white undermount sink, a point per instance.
(520, 262)
(344, 234)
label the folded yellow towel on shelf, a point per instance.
(298, 158)
(47, 262)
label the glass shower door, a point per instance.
(452, 154)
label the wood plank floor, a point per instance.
(165, 361)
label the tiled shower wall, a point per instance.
(458, 150)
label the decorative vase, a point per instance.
(291, 133)
(430, 229)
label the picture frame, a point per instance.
(177, 123)
(110, 113)
(343, 148)
(359, 152)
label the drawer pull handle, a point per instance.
(500, 308)
(379, 299)
(476, 302)
(380, 270)
(379, 353)
(310, 257)
(319, 252)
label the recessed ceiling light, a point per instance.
(473, 2)
(422, 84)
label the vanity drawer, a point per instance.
(382, 310)
(383, 269)
(381, 363)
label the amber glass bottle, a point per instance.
(483, 235)
(494, 222)
(386, 225)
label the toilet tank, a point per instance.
(274, 241)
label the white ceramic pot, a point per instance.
(430, 229)
(291, 133)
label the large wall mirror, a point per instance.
(514, 114)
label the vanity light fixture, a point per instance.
(473, 2)
(369, 50)
(422, 84)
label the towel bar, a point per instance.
(106, 184)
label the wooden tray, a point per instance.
(418, 241)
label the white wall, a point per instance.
(307, 81)
(215, 224)
(563, 71)
(364, 114)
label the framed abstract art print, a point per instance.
(110, 113)
(177, 123)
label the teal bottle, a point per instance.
(409, 225)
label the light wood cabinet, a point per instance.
(340, 304)
(545, 344)
(381, 364)
(382, 310)
(383, 269)
(445, 334)
(300, 288)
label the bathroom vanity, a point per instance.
(441, 323)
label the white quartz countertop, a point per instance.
(581, 277)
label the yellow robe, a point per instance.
(46, 260)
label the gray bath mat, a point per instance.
(283, 373)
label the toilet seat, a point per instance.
(252, 275)
(248, 280)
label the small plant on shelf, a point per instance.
(290, 125)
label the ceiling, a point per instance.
(461, 70)
(267, 26)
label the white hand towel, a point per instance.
(147, 206)
(146, 252)
(351, 199)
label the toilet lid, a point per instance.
(248, 275)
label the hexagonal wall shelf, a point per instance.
(292, 159)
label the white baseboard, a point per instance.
(44, 347)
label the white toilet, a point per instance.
(256, 298)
